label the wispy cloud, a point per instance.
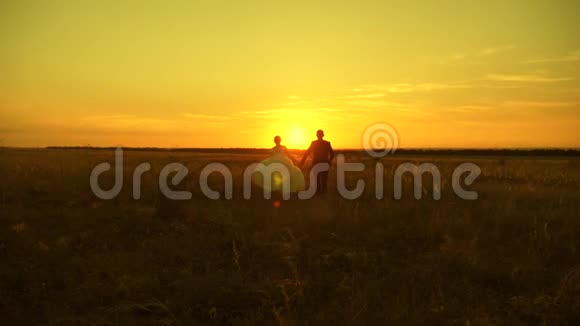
(570, 57)
(501, 108)
(471, 57)
(526, 78)
(511, 111)
(199, 116)
(540, 104)
(471, 108)
(370, 103)
(409, 87)
(363, 96)
(495, 50)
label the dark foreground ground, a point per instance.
(67, 258)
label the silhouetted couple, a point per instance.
(321, 152)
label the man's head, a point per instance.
(277, 140)
(319, 134)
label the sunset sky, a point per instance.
(236, 73)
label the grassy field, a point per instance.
(68, 258)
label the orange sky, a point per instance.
(223, 74)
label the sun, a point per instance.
(296, 138)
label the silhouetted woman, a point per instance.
(279, 155)
(280, 149)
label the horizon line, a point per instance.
(267, 148)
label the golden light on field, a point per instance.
(205, 74)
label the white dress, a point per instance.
(277, 179)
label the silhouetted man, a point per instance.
(322, 152)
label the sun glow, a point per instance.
(296, 138)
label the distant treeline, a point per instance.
(402, 151)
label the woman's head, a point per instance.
(277, 140)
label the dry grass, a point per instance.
(67, 258)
